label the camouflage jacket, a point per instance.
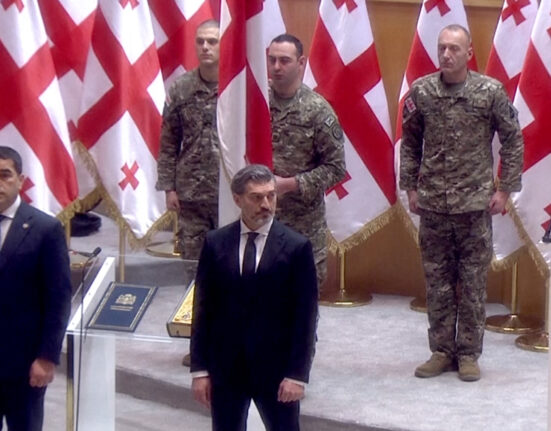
(446, 151)
(308, 144)
(189, 156)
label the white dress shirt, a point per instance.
(8, 214)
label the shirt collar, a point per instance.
(262, 230)
(12, 209)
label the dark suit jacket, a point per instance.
(35, 291)
(259, 330)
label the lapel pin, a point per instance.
(25, 225)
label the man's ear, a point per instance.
(21, 181)
(237, 199)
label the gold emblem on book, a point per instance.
(126, 299)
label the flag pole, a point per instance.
(343, 297)
(122, 254)
(513, 323)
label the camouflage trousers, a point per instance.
(456, 251)
(194, 221)
(313, 226)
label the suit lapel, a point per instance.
(274, 244)
(20, 227)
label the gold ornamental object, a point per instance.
(342, 297)
(166, 248)
(513, 323)
(537, 341)
(418, 304)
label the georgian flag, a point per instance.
(174, 25)
(243, 115)
(32, 118)
(120, 119)
(511, 41)
(69, 28)
(343, 67)
(423, 59)
(533, 202)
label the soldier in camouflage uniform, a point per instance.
(308, 151)
(449, 120)
(188, 163)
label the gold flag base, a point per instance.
(535, 342)
(162, 249)
(418, 304)
(513, 324)
(344, 298)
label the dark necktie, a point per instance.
(249, 257)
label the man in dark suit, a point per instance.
(254, 313)
(35, 295)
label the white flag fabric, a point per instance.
(510, 44)
(533, 202)
(423, 59)
(69, 28)
(243, 114)
(174, 25)
(343, 67)
(32, 118)
(121, 128)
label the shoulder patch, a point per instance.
(336, 131)
(409, 106)
(329, 121)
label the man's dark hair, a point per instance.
(259, 174)
(7, 153)
(286, 37)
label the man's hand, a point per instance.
(413, 198)
(285, 185)
(41, 373)
(201, 388)
(172, 201)
(289, 391)
(498, 202)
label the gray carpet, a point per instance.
(362, 377)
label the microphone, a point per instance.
(85, 273)
(91, 255)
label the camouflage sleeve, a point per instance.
(512, 143)
(171, 138)
(329, 147)
(411, 148)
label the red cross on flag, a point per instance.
(423, 59)
(32, 118)
(174, 25)
(343, 67)
(243, 116)
(510, 44)
(69, 29)
(121, 106)
(533, 202)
